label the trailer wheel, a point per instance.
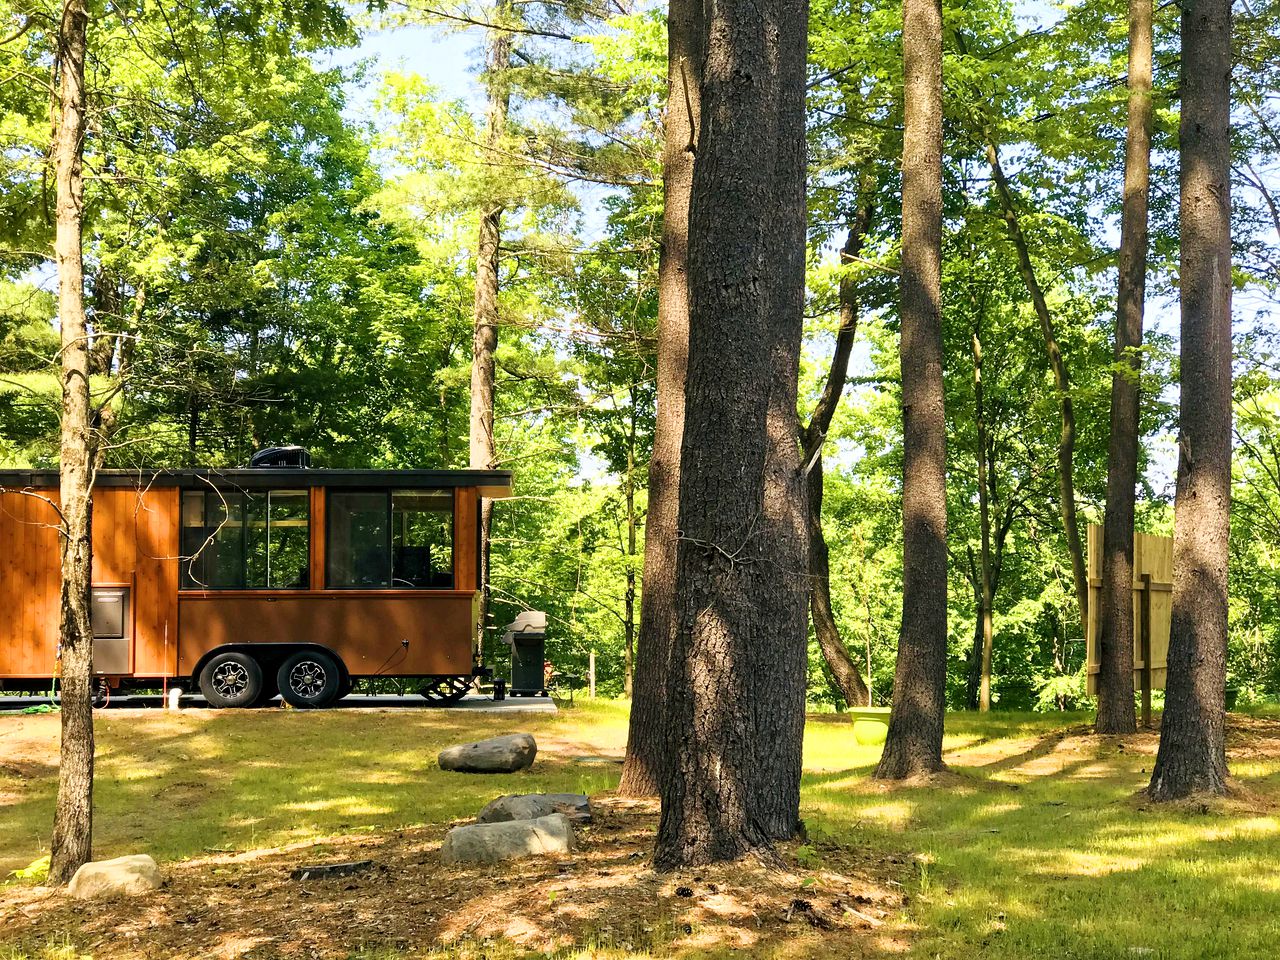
(309, 679)
(231, 680)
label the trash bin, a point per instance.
(527, 637)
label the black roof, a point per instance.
(260, 478)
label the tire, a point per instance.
(309, 680)
(345, 686)
(231, 680)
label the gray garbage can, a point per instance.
(527, 637)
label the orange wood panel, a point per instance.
(367, 632)
(29, 585)
(317, 538)
(155, 522)
(466, 521)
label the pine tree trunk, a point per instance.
(843, 670)
(782, 675)
(73, 816)
(1062, 385)
(483, 452)
(643, 768)
(629, 616)
(914, 743)
(985, 591)
(735, 703)
(1115, 614)
(1192, 754)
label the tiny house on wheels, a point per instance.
(253, 581)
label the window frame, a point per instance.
(186, 579)
(388, 493)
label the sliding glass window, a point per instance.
(259, 540)
(390, 540)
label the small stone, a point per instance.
(531, 806)
(497, 755)
(124, 876)
(510, 840)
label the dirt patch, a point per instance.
(826, 901)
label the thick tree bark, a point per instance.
(73, 817)
(914, 743)
(843, 669)
(1115, 614)
(735, 690)
(1192, 754)
(643, 768)
(985, 588)
(1062, 384)
(483, 452)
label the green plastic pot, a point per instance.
(870, 725)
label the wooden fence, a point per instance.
(1152, 604)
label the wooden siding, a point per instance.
(1151, 555)
(367, 629)
(29, 584)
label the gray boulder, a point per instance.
(495, 842)
(123, 876)
(496, 755)
(531, 806)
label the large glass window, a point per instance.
(400, 540)
(252, 540)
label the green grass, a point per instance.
(1039, 847)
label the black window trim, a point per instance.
(187, 580)
(389, 494)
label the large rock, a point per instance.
(123, 876)
(494, 842)
(531, 806)
(497, 755)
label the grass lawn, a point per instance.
(1038, 845)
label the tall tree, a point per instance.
(643, 767)
(1192, 755)
(73, 817)
(733, 719)
(1061, 379)
(483, 452)
(914, 744)
(844, 669)
(1115, 613)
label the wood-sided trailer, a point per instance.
(249, 582)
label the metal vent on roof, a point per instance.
(281, 457)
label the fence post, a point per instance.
(1144, 648)
(591, 674)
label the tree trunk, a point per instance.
(985, 592)
(914, 743)
(1192, 755)
(643, 768)
(1062, 383)
(483, 453)
(1115, 615)
(735, 690)
(782, 675)
(629, 639)
(73, 817)
(843, 669)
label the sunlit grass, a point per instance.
(1039, 846)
